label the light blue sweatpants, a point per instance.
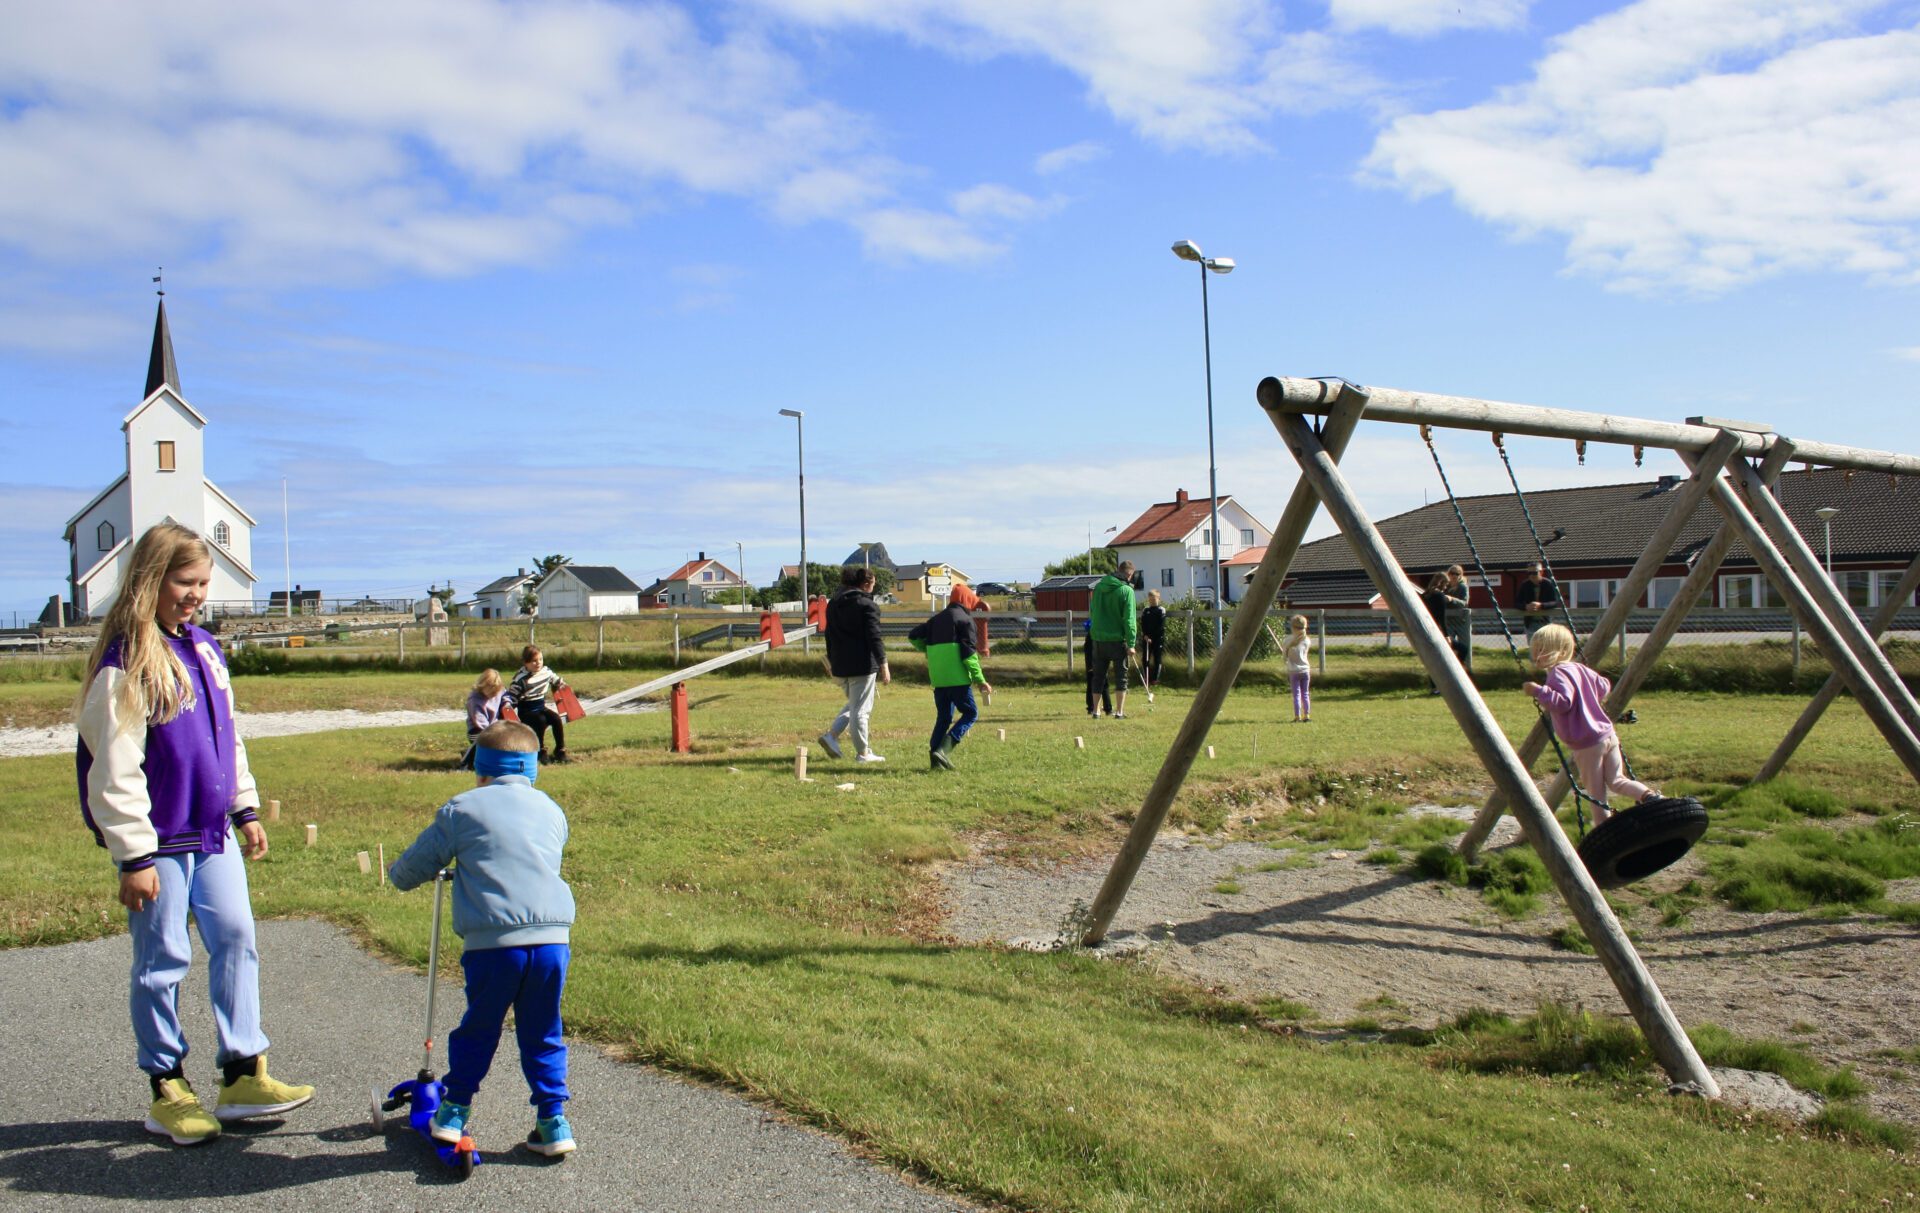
(214, 888)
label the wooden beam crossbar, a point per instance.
(666, 681)
(1291, 395)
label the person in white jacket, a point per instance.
(1299, 671)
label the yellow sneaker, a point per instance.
(176, 1113)
(258, 1094)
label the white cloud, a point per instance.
(282, 141)
(1196, 75)
(1699, 144)
(1421, 18)
(1060, 159)
(909, 233)
(1907, 353)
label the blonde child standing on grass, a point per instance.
(1299, 672)
(165, 788)
(1574, 698)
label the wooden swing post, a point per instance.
(1344, 404)
(1644, 1000)
(1820, 588)
(1864, 688)
(1882, 623)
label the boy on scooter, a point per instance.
(515, 914)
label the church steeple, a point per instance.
(160, 367)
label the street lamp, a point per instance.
(740, 548)
(1187, 250)
(1826, 514)
(800, 438)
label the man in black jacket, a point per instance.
(1535, 597)
(858, 657)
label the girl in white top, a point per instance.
(1299, 673)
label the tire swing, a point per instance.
(1634, 844)
(1629, 845)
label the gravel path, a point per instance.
(59, 738)
(1351, 940)
(71, 1135)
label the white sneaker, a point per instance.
(830, 744)
(869, 758)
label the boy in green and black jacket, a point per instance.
(953, 666)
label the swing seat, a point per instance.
(1635, 844)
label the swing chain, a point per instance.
(1580, 449)
(1639, 454)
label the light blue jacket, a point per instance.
(507, 839)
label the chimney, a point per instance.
(1180, 497)
(702, 556)
(521, 573)
(1669, 483)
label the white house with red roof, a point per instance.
(165, 480)
(692, 583)
(1171, 544)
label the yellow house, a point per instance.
(920, 584)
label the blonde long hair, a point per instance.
(156, 688)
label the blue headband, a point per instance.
(495, 763)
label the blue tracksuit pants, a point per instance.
(529, 981)
(214, 889)
(949, 702)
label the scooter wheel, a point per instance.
(379, 1113)
(465, 1159)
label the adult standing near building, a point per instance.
(1460, 616)
(1115, 630)
(857, 657)
(1153, 638)
(1534, 597)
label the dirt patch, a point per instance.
(1350, 940)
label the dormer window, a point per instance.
(165, 450)
(104, 536)
(222, 534)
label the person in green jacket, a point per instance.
(953, 666)
(1115, 630)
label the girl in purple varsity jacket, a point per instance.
(164, 786)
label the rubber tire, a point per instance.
(465, 1160)
(1635, 844)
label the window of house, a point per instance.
(1206, 536)
(1591, 593)
(1856, 586)
(166, 455)
(706, 574)
(1749, 590)
(1246, 535)
(1886, 581)
(1662, 590)
(1166, 577)
(104, 536)
(222, 534)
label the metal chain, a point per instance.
(1566, 768)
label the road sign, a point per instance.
(939, 587)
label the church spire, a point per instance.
(160, 367)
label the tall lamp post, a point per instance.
(740, 549)
(1187, 250)
(1826, 514)
(800, 439)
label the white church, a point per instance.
(165, 480)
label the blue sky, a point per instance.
(485, 281)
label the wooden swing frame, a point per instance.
(1717, 452)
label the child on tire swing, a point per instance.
(1574, 698)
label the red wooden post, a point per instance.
(771, 631)
(980, 630)
(682, 734)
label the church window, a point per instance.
(104, 536)
(166, 456)
(222, 534)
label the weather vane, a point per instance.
(157, 270)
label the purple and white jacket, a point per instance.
(167, 789)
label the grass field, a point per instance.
(773, 936)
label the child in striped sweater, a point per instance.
(528, 699)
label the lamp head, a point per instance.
(1219, 265)
(1187, 250)
(1827, 513)
(794, 413)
